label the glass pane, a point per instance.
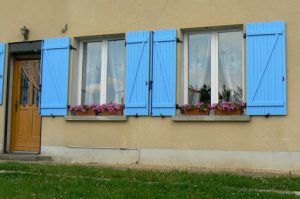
(230, 67)
(116, 71)
(25, 90)
(91, 73)
(36, 96)
(36, 87)
(199, 68)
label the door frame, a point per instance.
(21, 50)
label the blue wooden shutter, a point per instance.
(137, 73)
(2, 64)
(164, 73)
(266, 68)
(55, 76)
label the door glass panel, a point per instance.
(91, 73)
(230, 67)
(199, 68)
(25, 90)
(36, 86)
(36, 96)
(116, 71)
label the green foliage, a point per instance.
(205, 94)
(63, 181)
(224, 94)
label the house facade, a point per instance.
(153, 57)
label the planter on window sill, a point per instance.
(86, 113)
(195, 112)
(226, 112)
(116, 112)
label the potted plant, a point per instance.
(224, 94)
(109, 109)
(200, 108)
(229, 108)
(82, 110)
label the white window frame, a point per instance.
(214, 62)
(104, 65)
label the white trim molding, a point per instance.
(213, 159)
(76, 154)
(214, 67)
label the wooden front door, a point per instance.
(25, 118)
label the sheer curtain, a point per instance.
(199, 68)
(91, 73)
(116, 71)
(230, 67)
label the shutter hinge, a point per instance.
(125, 43)
(150, 85)
(283, 78)
(72, 48)
(268, 115)
(178, 40)
(244, 35)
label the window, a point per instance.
(213, 66)
(102, 71)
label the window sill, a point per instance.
(111, 118)
(211, 118)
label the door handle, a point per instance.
(17, 105)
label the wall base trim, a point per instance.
(214, 159)
(91, 155)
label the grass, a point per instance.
(23, 180)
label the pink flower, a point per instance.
(229, 106)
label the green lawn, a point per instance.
(24, 180)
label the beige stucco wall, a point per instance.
(45, 19)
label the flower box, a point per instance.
(195, 112)
(109, 109)
(85, 113)
(200, 108)
(82, 110)
(229, 108)
(103, 109)
(227, 112)
(115, 112)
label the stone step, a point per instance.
(24, 157)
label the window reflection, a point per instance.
(91, 73)
(116, 71)
(199, 68)
(25, 90)
(230, 67)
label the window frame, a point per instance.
(214, 61)
(104, 66)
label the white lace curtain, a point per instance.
(116, 72)
(92, 73)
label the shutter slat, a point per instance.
(164, 73)
(266, 68)
(2, 64)
(55, 77)
(137, 73)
